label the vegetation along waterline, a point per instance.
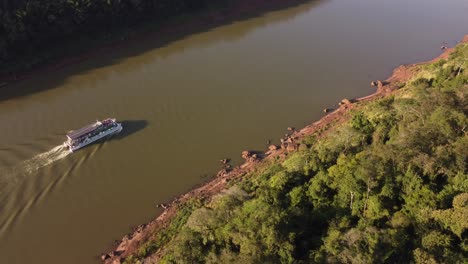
(382, 179)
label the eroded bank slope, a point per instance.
(381, 178)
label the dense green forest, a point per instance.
(28, 27)
(389, 185)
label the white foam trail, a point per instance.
(15, 174)
(12, 180)
(44, 159)
(35, 163)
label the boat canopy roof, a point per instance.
(83, 131)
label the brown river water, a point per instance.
(184, 105)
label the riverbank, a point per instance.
(169, 31)
(131, 244)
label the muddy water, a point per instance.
(184, 105)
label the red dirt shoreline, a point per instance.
(130, 243)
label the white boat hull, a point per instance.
(87, 141)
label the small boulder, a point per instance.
(273, 147)
(254, 158)
(327, 110)
(379, 84)
(303, 147)
(291, 147)
(291, 129)
(140, 228)
(105, 256)
(163, 206)
(373, 83)
(222, 173)
(346, 101)
(245, 154)
(225, 161)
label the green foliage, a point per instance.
(422, 257)
(295, 163)
(362, 124)
(422, 83)
(435, 241)
(388, 186)
(454, 219)
(164, 236)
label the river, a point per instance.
(184, 105)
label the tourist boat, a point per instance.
(91, 133)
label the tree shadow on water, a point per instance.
(175, 36)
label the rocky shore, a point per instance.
(289, 143)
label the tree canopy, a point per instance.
(33, 26)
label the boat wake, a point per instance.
(17, 172)
(44, 159)
(18, 192)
